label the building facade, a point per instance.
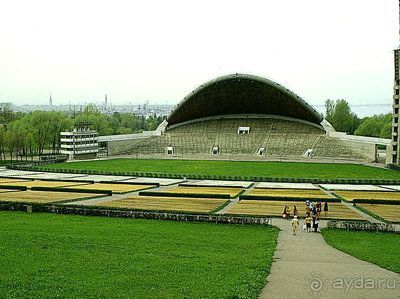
(81, 143)
(396, 96)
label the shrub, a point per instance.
(278, 198)
(193, 195)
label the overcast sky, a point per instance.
(135, 51)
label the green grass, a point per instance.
(381, 249)
(50, 255)
(236, 168)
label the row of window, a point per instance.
(78, 136)
(216, 150)
(77, 150)
(79, 142)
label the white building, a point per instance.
(81, 143)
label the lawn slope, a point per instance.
(49, 255)
(381, 249)
(235, 168)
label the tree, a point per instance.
(98, 121)
(340, 116)
(376, 126)
(60, 122)
(330, 109)
(2, 142)
(41, 129)
(10, 142)
(6, 114)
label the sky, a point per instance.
(159, 51)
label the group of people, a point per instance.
(312, 216)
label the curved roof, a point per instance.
(242, 94)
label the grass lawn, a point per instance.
(160, 203)
(378, 248)
(49, 255)
(236, 168)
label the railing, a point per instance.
(44, 160)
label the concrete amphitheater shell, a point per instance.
(243, 117)
(241, 94)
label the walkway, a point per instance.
(306, 267)
(235, 200)
(349, 205)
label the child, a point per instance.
(316, 225)
(308, 221)
(295, 225)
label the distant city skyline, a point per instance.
(164, 109)
(160, 51)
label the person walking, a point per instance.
(326, 208)
(295, 225)
(308, 210)
(288, 213)
(307, 222)
(284, 214)
(295, 211)
(316, 225)
(319, 206)
(314, 219)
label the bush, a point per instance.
(20, 188)
(61, 189)
(196, 195)
(377, 201)
(361, 226)
(278, 198)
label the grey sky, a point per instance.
(160, 50)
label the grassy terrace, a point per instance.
(158, 203)
(236, 168)
(49, 255)
(378, 248)
(45, 196)
(275, 208)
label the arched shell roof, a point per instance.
(242, 94)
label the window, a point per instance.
(261, 151)
(244, 130)
(170, 150)
(215, 150)
(308, 153)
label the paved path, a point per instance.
(235, 200)
(306, 267)
(350, 206)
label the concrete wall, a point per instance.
(239, 157)
(84, 156)
(119, 147)
(389, 153)
(363, 144)
(366, 149)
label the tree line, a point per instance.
(25, 135)
(339, 114)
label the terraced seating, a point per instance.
(280, 138)
(332, 147)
